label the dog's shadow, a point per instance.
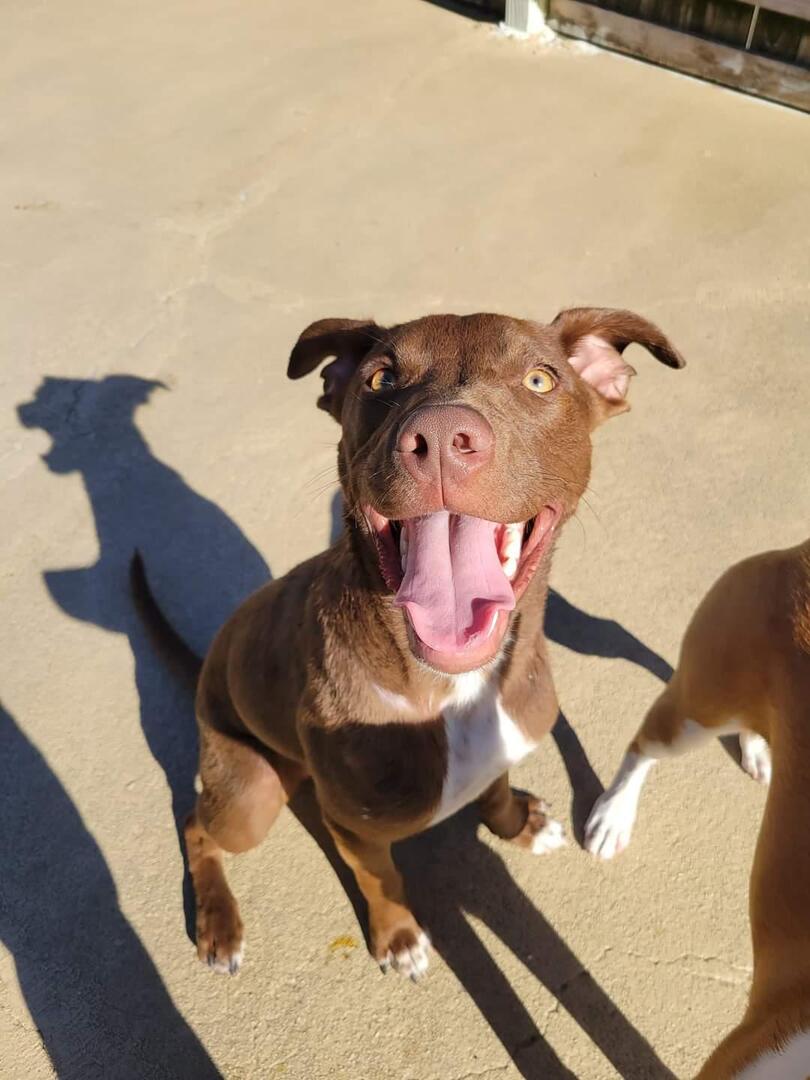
(98, 1002)
(452, 874)
(455, 875)
(201, 566)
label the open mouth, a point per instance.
(457, 578)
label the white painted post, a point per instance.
(525, 16)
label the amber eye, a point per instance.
(382, 379)
(539, 381)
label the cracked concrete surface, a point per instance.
(185, 187)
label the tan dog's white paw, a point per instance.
(755, 756)
(610, 825)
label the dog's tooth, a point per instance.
(512, 544)
(510, 566)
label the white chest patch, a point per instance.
(792, 1063)
(482, 742)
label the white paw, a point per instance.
(610, 825)
(550, 838)
(755, 757)
(225, 965)
(412, 961)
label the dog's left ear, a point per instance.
(594, 340)
(348, 341)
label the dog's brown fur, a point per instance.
(289, 687)
(757, 619)
(745, 661)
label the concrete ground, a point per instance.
(185, 186)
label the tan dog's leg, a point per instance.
(519, 818)
(397, 940)
(666, 731)
(242, 794)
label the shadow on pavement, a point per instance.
(95, 996)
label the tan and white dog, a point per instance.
(745, 667)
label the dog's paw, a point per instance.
(610, 826)
(406, 951)
(220, 935)
(541, 834)
(755, 756)
(549, 838)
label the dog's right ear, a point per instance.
(348, 341)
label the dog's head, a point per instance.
(466, 443)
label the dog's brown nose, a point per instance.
(445, 443)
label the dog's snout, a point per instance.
(445, 443)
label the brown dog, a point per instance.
(745, 664)
(404, 669)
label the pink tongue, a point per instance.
(453, 582)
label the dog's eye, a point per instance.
(539, 381)
(382, 379)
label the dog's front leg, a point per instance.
(397, 940)
(520, 818)
(666, 731)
